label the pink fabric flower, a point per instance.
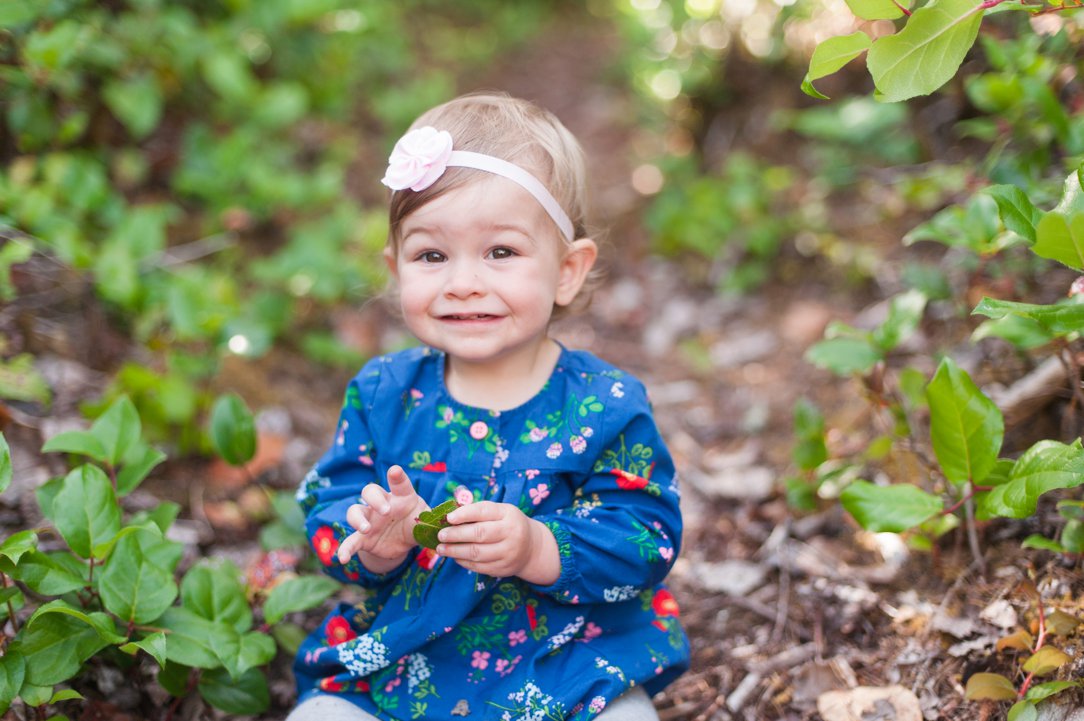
(418, 159)
(480, 659)
(515, 637)
(539, 493)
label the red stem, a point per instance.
(1039, 642)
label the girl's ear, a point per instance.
(577, 263)
(390, 259)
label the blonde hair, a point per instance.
(511, 129)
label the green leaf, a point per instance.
(430, 522)
(844, 356)
(20, 12)
(1046, 466)
(5, 464)
(1046, 660)
(928, 51)
(875, 9)
(965, 426)
(833, 54)
(188, 638)
(298, 594)
(12, 674)
(240, 652)
(904, 314)
(141, 460)
(216, 593)
(153, 643)
(1058, 318)
(1042, 691)
(83, 443)
(290, 636)
(21, 381)
(55, 647)
(118, 430)
(246, 696)
(810, 450)
(136, 102)
(18, 543)
(86, 510)
(989, 687)
(1022, 711)
(1042, 543)
(48, 574)
(892, 509)
(233, 430)
(132, 586)
(1072, 195)
(100, 622)
(1061, 238)
(1017, 212)
(1022, 332)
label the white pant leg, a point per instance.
(324, 707)
(633, 705)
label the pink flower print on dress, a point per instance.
(539, 493)
(591, 631)
(666, 552)
(517, 637)
(364, 457)
(587, 431)
(416, 394)
(578, 444)
(449, 415)
(554, 450)
(538, 434)
(532, 473)
(463, 495)
(341, 438)
(597, 704)
(480, 659)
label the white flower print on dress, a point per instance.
(363, 655)
(619, 593)
(554, 450)
(566, 634)
(617, 390)
(578, 444)
(418, 671)
(539, 434)
(309, 484)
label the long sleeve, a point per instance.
(335, 482)
(623, 531)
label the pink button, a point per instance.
(478, 430)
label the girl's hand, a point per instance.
(498, 539)
(384, 522)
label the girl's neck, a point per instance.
(504, 384)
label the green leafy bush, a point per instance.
(111, 588)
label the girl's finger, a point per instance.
(377, 498)
(358, 517)
(350, 546)
(399, 482)
(476, 512)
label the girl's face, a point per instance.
(480, 269)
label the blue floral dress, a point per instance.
(433, 640)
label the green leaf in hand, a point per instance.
(430, 522)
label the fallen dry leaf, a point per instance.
(869, 703)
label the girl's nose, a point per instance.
(464, 279)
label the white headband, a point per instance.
(422, 155)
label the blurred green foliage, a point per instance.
(196, 162)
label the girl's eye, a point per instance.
(431, 256)
(501, 253)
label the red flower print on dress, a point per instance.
(437, 467)
(628, 481)
(427, 558)
(339, 630)
(330, 685)
(325, 544)
(664, 604)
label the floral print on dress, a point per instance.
(585, 459)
